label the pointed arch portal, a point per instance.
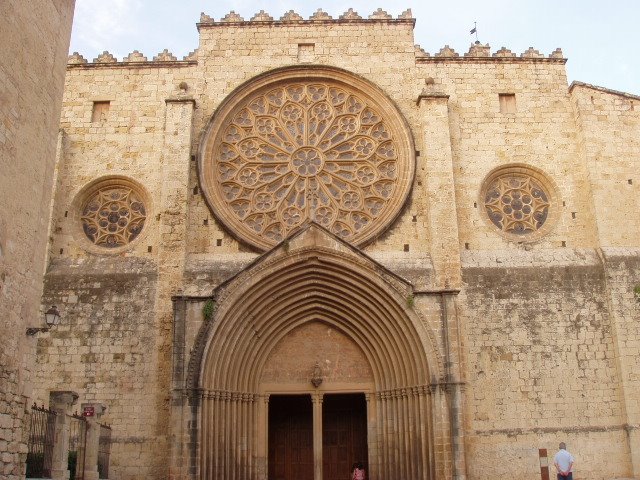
(316, 289)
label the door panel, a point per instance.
(344, 434)
(290, 437)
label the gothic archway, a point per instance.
(316, 278)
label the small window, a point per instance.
(100, 110)
(507, 102)
(306, 52)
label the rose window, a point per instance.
(306, 150)
(113, 216)
(517, 204)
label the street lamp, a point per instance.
(51, 318)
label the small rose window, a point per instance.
(113, 216)
(519, 201)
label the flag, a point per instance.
(473, 30)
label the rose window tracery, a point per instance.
(113, 216)
(517, 203)
(306, 149)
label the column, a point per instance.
(316, 399)
(445, 253)
(181, 405)
(440, 189)
(61, 403)
(454, 386)
(92, 444)
(172, 208)
(262, 427)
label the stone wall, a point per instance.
(35, 39)
(106, 351)
(542, 364)
(609, 124)
(138, 139)
(541, 133)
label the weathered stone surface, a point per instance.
(35, 44)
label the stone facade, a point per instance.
(35, 41)
(490, 314)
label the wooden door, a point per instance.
(344, 434)
(290, 437)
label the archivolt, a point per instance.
(259, 310)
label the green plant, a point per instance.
(636, 292)
(411, 300)
(208, 308)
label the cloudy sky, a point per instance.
(599, 38)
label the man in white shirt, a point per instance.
(564, 463)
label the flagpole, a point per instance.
(475, 30)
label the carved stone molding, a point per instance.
(306, 144)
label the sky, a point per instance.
(599, 38)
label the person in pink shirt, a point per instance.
(357, 472)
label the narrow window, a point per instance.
(100, 110)
(507, 102)
(306, 52)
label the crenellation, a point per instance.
(557, 53)
(531, 53)
(478, 50)
(350, 15)
(420, 52)
(165, 56)
(76, 59)
(204, 18)
(105, 57)
(191, 56)
(231, 17)
(504, 53)
(291, 17)
(320, 15)
(262, 16)
(447, 52)
(380, 14)
(135, 57)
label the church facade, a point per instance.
(310, 243)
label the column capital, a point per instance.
(62, 400)
(180, 99)
(432, 96)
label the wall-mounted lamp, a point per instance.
(51, 318)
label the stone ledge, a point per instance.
(515, 258)
(151, 64)
(576, 83)
(560, 61)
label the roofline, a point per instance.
(576, 83)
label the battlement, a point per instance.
(134, 59)
(291, 17)
(478, 51)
